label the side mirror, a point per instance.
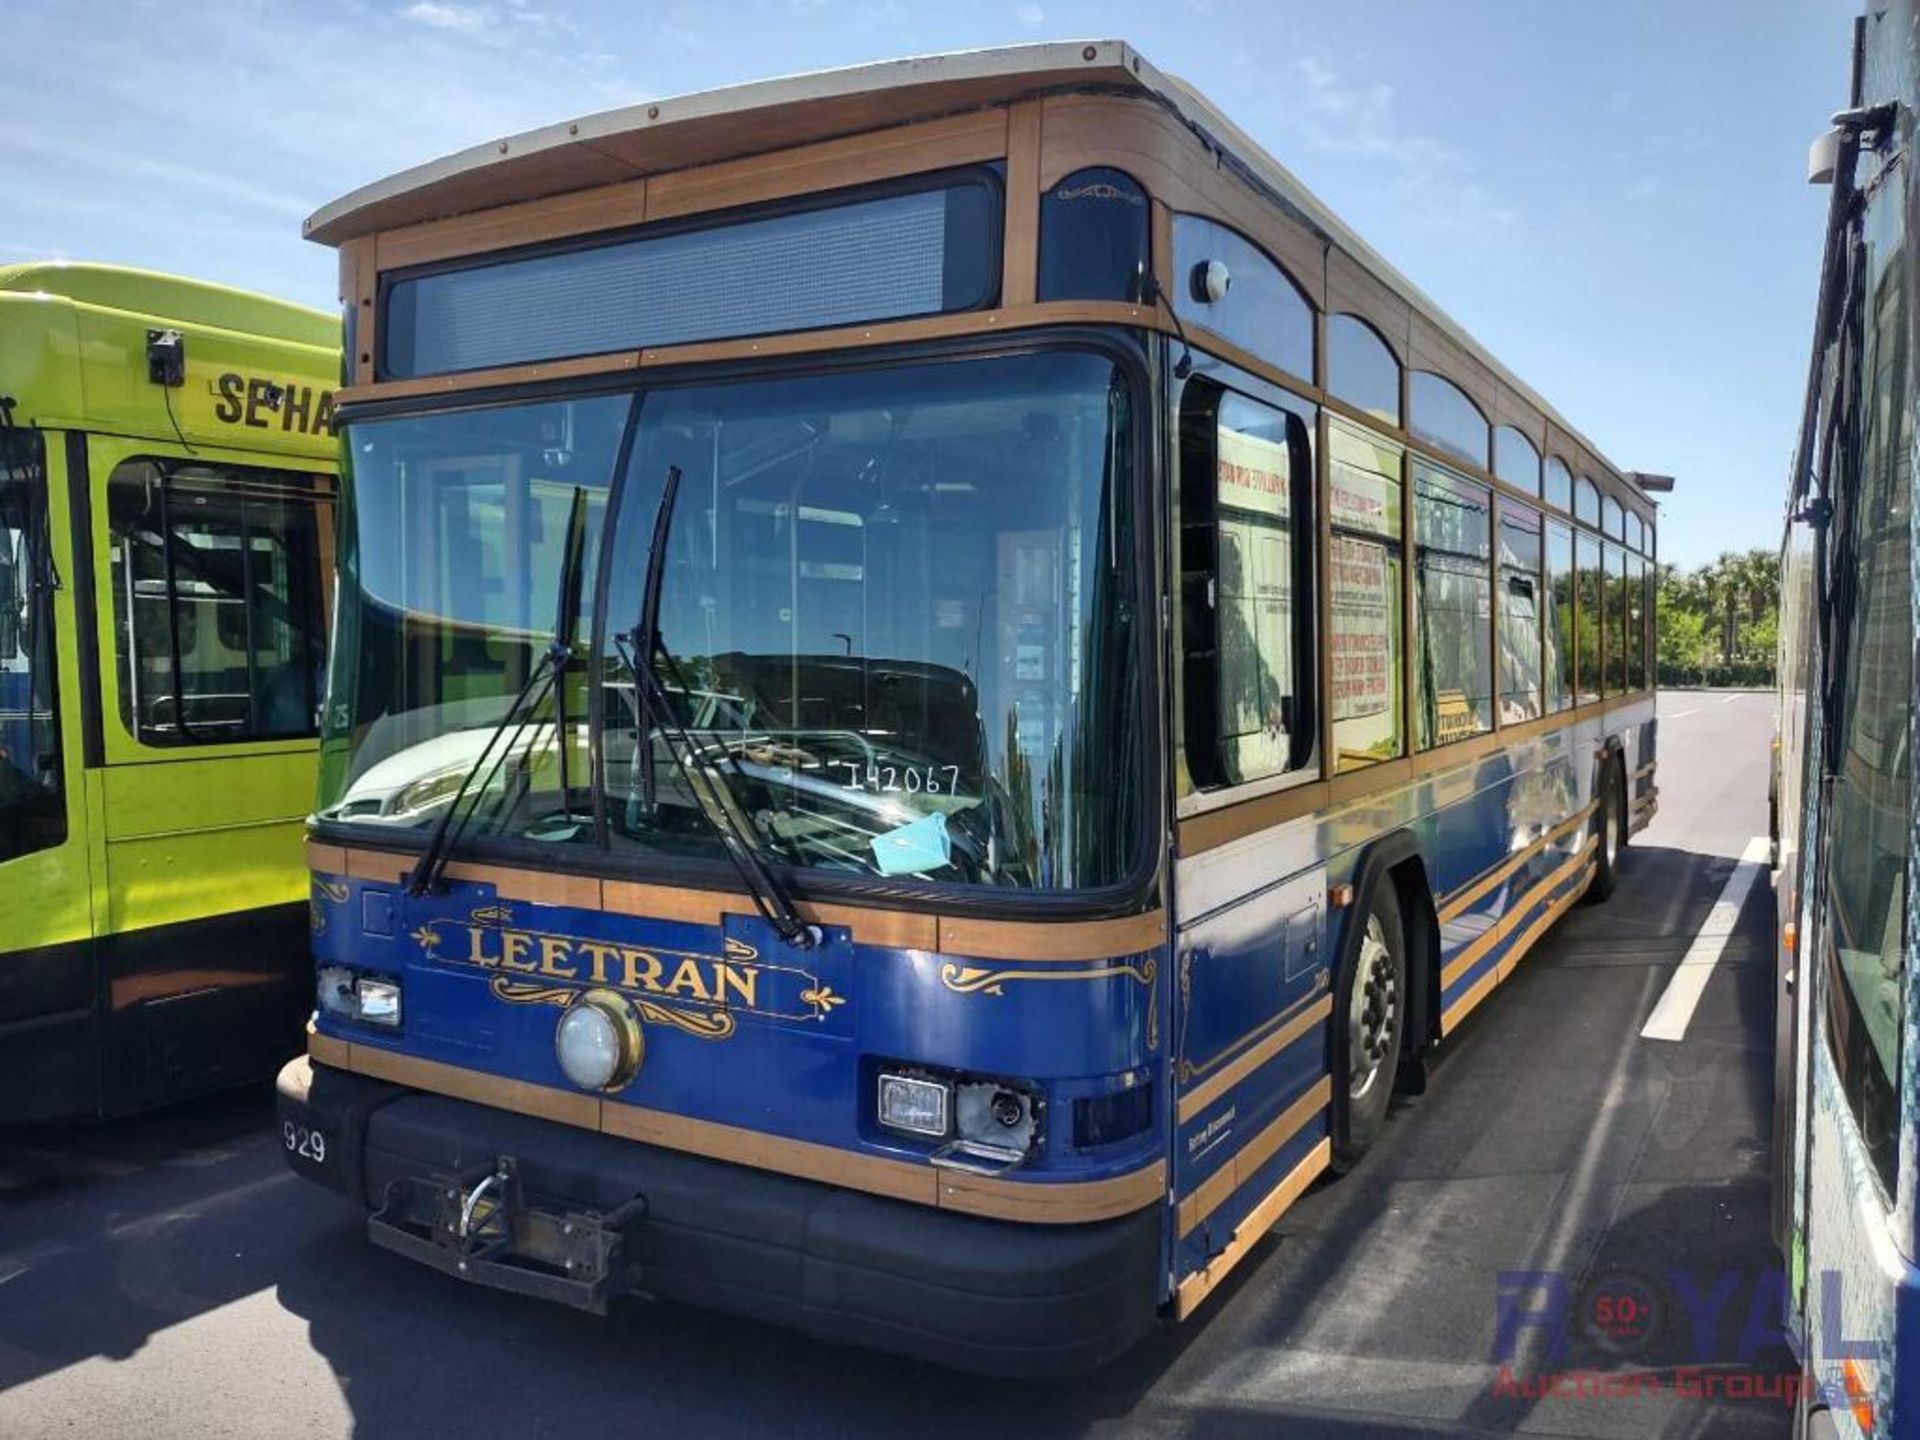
(1822, 156)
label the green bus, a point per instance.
(167, 478)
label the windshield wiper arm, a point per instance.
(548, 673)
(651, 699)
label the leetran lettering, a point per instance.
(702, 979)
(248, 400)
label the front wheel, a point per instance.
(1369, 1019)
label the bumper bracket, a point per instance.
(479, 1225)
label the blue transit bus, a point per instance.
(1847, 1085)
(941, 684)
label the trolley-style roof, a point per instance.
(663, 135)
(172, 297)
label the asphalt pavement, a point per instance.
(1566, 1234)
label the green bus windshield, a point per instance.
(896, 620)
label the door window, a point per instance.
(218, 620)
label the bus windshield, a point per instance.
(895, 622)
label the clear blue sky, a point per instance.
(1610, 196)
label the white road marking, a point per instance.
(1682, 995)
(1681, 714)
(1729, 699)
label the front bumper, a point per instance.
(578, 1216)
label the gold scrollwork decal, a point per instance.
(985, 980)
(334, 890)
(705, 1025)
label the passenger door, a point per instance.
(1249, 1043)
(209, 574)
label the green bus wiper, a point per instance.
(548, 673)
(715, 798)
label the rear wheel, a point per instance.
(1369, 1016)
(1610, 829)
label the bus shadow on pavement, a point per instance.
(111, 1233)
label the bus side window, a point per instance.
(1869, 754)
(1363, 579)
(1520, 639)
(219, 621)
(1452, 607)
(1246, 553)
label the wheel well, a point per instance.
(1422, 934)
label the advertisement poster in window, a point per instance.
(1362, 631)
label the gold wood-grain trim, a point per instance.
(1208, 1091)
(1541, 924)
(852, 337)
(1067, 1202)
(1573, 822)
(1646, 769)
(1214, 828)
(506, 227)
(1518, 913)
(326, 859)
(1456, 903)
(975, 938)
(1213, 1192)
(1020, 244)
(1197, 1286)
(498, 376)
(1208, 831)
(1579, 869)
(968, 139)
(328, 1051)
(1044, 940)
(1064, 1202)
(502, 1094)
(893, 1178)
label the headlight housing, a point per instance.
(348, 994)
(599, 1042)
(998, 1121)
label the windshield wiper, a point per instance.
(548, 673)
(650, 699)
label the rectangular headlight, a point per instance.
(379, 1001)
(913, 1104)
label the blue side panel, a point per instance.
(1503, 840)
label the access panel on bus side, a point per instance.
(1250, 1042)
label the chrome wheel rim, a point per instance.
(1373, 1009)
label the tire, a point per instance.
(1369, 1025)
(1610, 828)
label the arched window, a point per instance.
(1636, 539)
(1361, 368)
(1653, 544)
(1614, 517)
(1094, 226)
(1515, 460)
(1586, 502)
(1559, 484)
(1222, 280)
(1442, 415)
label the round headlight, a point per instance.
(598, 1041)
